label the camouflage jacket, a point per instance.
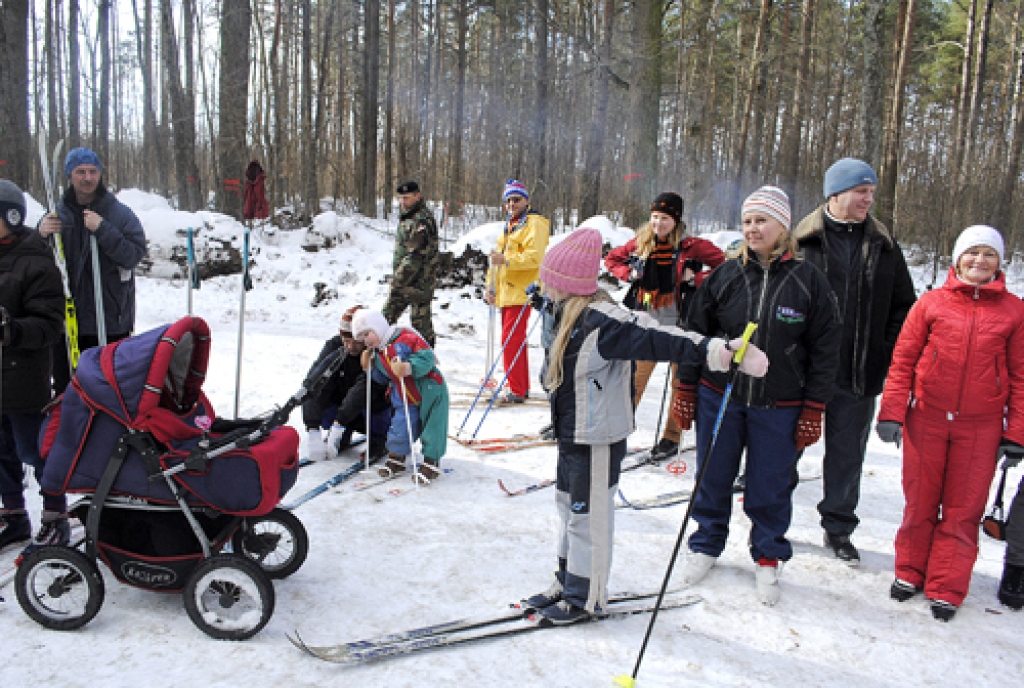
(415, 260)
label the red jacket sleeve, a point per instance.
(1015, 366)
(900, 380)
(617, 260)
(703, 250)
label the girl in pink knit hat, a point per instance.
(588, 371)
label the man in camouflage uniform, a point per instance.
(415, 262)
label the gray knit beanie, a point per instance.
(12, 205)
(846, 174)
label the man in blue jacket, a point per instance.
(88, 209)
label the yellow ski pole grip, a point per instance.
(748, 333)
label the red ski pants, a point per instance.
(947, 472)
(515, 334)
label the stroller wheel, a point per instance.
(229, 597)
(59, 588)
(276, 541)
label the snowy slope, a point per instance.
(461, 546)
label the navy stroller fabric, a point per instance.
(153, 383)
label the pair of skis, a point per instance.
(644, 461)
(673, 498)
(517, 619)
(70, 313)
(497, 445)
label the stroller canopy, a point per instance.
(164, 367)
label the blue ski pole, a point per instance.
(491, 371)
(630, 681)
(497, 391)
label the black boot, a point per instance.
(14, 527)
(664, 449)
(1011, 589)
(943, 611)
(901, 590)
(843, 548)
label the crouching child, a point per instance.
(419, 395)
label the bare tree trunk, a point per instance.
(232, 147)
(371, 88)
(50, 41)
(965, 88)
(1015, 146)
(756, 79)
(977, 83)
(74, 79)
(645, 106)
(144, 51)
(102, 114)
(183, 133)
(15, 141)
(540, 122)
(789, 154)
(595, 149)
(889, 174)
(455, 192)
(308, 158)
(389, 105)
(872, 95)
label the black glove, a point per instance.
(1012, 453)
(537, 301)
(890, 431)
(636, 268)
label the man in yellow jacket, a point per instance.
(515, 265)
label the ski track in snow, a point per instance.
(461, 547)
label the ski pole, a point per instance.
(246, 286)
(193, 268)
(630, 681)
(369, 442)
(408, 429)
(497, 391)
(97, 290)
(490, 372)
(661, 410)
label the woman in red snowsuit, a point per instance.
(957, 374)
(663, 268)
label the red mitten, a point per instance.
(808, 426)
(684, 405)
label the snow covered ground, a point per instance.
(379, 564)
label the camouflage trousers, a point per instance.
(419, 314)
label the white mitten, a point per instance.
(315, 447)
(755, 361)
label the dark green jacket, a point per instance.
(415, 260)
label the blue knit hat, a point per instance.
(514, 187)
(846, 174)
(81, 156)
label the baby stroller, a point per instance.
(163, 496)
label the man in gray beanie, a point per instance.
(874, 291)
(31, 321)
(88, 209)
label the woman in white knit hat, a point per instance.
(954, 398)
(771, 420)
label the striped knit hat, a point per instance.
(770, 200)
(572, 265)
(514, 187)
(346, 319)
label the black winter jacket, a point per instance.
(122, 244)
(347, 390)
(884, 298)
(798, 328)
(31, 291)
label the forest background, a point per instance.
(596, 105)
